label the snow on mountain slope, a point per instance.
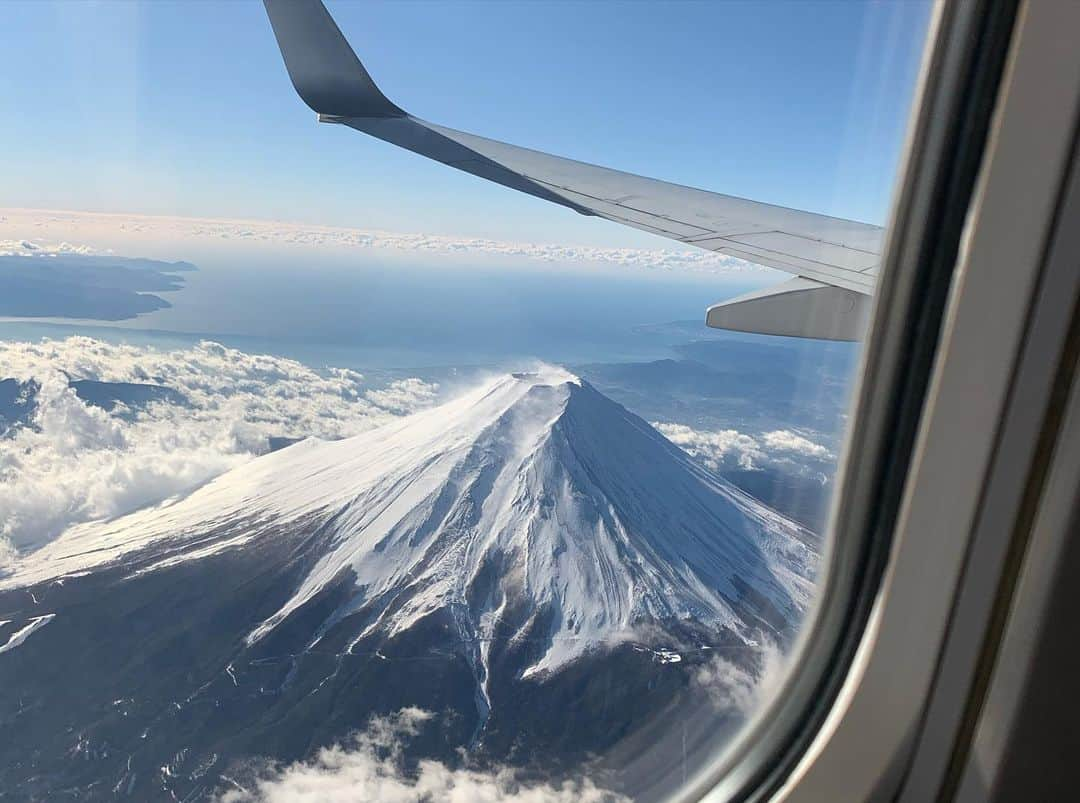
(533, 502)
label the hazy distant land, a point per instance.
(103, 288)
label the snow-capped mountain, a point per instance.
(532, 496)
(512, 534)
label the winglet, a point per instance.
(323, 68)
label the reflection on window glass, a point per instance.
(328, 473)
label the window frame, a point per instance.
(842, 725)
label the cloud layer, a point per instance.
(78, 462)
(17, 223)
(370, 767)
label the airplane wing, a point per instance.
(835, 260)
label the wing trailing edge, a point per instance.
(796, 308)
(836, 259)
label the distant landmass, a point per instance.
(107, 395)
(19, 399)
(104, 288)
(680, 331)
(720, 382)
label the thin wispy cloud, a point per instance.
(37, 231)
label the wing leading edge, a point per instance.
(836, 260)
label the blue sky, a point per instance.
(185, 108)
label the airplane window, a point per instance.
(346, 454)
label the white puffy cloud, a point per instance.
(94, 225)
(370, 767)
(403, 395)
(715, 448)
(77, 462)
(784, 440)
(38, 248)
(729, 448)
(733, 689)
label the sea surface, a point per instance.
(399, 318)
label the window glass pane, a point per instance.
(330, 472)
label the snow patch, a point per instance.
(19, 636)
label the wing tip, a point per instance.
(325, 71)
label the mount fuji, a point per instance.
(530, 560)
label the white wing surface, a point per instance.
(836, 259)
